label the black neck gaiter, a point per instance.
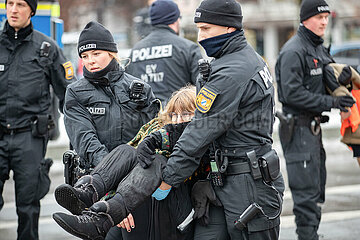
(315, 39)
(100, 77)
(214, 44)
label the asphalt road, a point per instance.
(341, 211)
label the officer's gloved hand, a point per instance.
(160, 194)
(174, 132)
(146, 149)
(345, 76)
(202, 195)
(343, 102)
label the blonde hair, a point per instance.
(182, 100)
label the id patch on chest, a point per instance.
(205, 99)
(96, 111)
(69, 70)
(2, 68)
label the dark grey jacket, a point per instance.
(25, 78)
(234, 109)
(165, 61)
(299, 75)
(98, 118)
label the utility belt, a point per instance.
(266, 167)
(289, 121)
(39, 127)
(6, 131)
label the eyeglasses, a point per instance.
(185, 116)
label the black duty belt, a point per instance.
(15, 130)
(302, 120)
(236, 168)
(305, 120)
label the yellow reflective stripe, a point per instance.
(43, 7)
(55, 10)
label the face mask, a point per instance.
(214, 44)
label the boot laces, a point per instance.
(88, 217)
(85, 187)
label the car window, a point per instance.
(349, 53)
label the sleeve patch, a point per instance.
(205, 99)
(69, 70)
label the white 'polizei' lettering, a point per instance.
(96, 111)
(323, 8)
(316, 71)
(87, 46)
(153, 77)
(154, 52)
(266, 76)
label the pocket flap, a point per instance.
(3, 59)
(297, 157)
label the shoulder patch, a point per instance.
(69, 70)
(205, 99)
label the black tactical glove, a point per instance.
(174, 132)
(146, 149)
(342, 102)
(202, 195)
(345, 76)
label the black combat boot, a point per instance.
(90, 225)
(76, 199)
(95, 223)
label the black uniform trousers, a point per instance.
(238, 192)
(22, 153)
(305, 163)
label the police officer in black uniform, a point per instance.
(234, 119)
(107, 107)
(29, 63)
(299, 74)
(164, 60)
(142, 21)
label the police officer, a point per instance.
(107, 107)
(29, 63)
(299, 74)
(164, 60)
(234, 119)
(142, 21)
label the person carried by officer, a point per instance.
(134, 171)
(343, 80)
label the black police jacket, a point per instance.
(165, 61)
(234, 109)
(98, 118)
(25, 77)
(299, 75)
